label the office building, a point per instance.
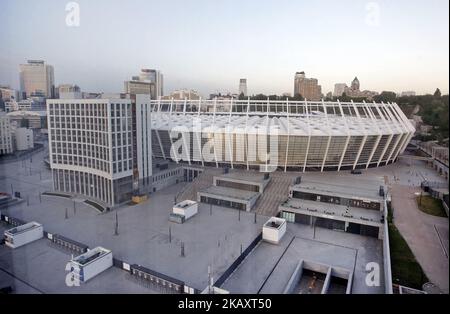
(243, 87)
(101, 148)
(23, 138)
(6, 146)
(339, 89)
(29, 119)
(148, 82)
(69, 91)
(293, 135)
(308, 88)
(8, 94)
(37, 78)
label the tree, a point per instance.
(385, 96)
(242, 96)
(298, 97)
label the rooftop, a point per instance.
(348, 187)
(249, 176)
(230, 192)
(302, 118)
(23, 228)
(267, 269)
(334, 211)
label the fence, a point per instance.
(12, 221)
(157, 280)
(67, 243)
(238, 261)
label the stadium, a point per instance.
(282, 135)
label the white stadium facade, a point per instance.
(283, 135)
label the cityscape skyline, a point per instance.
(401, 63)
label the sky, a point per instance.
(208, 45)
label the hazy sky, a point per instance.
(209, 44)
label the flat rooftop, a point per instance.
(39, 267)
(340, 211)
(230, 192)
(23, 228)
(267, 269)
(249, 176)
(209, 240)
(348, 187)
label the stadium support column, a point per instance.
(370, 114)
(246, 132)
(309, 135)
(348, 135)
(406, 135)
(390, 135)
(213, 128)
(288, 134)
(399, 136)
(363, 142)
(229, 135)
(329, 136)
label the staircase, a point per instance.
(275, 193)
(204, 180)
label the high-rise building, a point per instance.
(135, 87)
(355, 84)
(339, 89)
(8, 94)
(6, 146)
(308, 88)
(243, 86)
(23, 138)
(37, 78)
(354, 91)
(101, 148)
(69, 91)
(148, 82)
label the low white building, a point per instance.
(23, 234)
(186, 208)
(274, 230)
(24, 138)
(91, 263)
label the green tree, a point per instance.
(385, 96)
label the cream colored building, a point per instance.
(309, 88)
(37, 77)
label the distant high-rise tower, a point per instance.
(156, 78)
(355, 84)
(37, 78)
(149, 82)
(309, 88)
(339, 89)
(243, 86)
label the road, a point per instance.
(426, 235)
